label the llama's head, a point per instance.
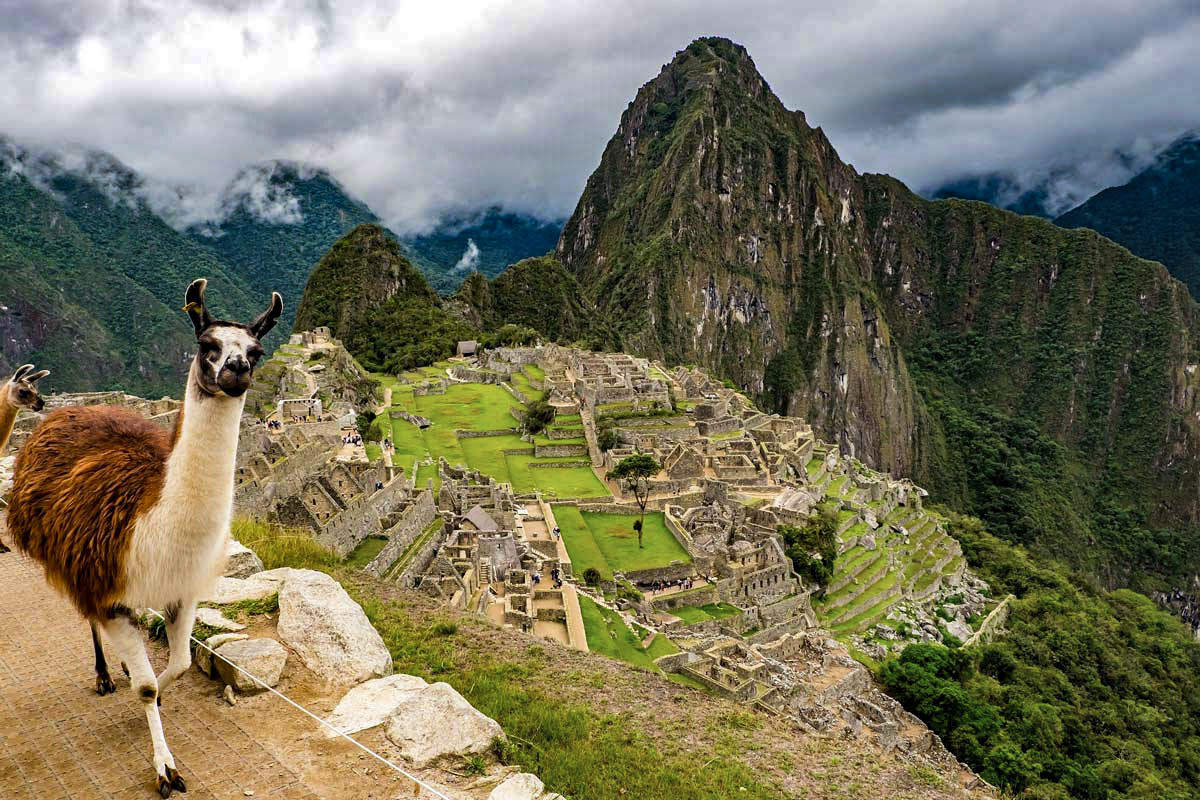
(228, 351)
(21, 389)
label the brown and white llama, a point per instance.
(125, 515)
(19, 391)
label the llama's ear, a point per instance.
(266, 320)
(37, 376)
(20, 373)
(193, 304)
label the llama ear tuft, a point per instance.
(37, 376)
(194, 305)
(266, 320)
(21, 371)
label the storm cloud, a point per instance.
(424, 109)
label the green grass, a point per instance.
(483, 407)
(283, 547)
(366, 551)
(693, 614)
(608, 635)
(535, 372)
(608, 541)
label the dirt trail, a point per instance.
(58, 739)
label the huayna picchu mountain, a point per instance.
(1041, 378)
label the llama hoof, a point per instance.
(104, 684)
(171, 782)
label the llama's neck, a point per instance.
(202, 462)
(8, 418)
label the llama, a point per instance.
(20, 391)
(123, 514)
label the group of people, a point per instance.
(683, 584)
(352, 438)
(556, 577)
(274, 425)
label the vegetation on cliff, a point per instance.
(1088, 694)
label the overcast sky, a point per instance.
(431, 107)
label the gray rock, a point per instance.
(371, 703)
(522, 786)
(215, 619)
(241, 561)
(203, 657)
(329, 631)
(234, 590)
(262, 658)
(437, 721)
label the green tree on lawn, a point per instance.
(635, 472)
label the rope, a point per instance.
(319, 721)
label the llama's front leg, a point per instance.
(127, 639)
(179, 618)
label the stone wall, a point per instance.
(560, 450)
(362, 516)
(413, 521)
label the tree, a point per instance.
(363, 422)
(592, 576)
(606, 437)
(813, 547)
(635, 472)
(538, 415)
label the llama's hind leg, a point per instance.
(127, 639)
(104, 682)
(179, 618)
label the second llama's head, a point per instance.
(228, 351)
(21, 389)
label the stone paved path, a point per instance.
(58, 739)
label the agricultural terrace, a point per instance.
(609, 543)
(607, 633)
(478, 407)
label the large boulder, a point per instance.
(262, 658)
(522, 786)
(437, 721)
(329, 631)
(371, 703)
(240, 561)
(204, 659)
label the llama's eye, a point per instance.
(254, 353)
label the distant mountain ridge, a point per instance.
(1156, 214)
(79, 217)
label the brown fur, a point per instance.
(81, 481)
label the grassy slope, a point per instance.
(595, 729)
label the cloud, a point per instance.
(424, 110)
(470, 259)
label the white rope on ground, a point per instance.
(302, 709)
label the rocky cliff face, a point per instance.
(1045, 379)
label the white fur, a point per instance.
(178, 544)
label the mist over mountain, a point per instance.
(1156, 214)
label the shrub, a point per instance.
(592, 576)
(538, 415)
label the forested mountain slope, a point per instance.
(1043, 379)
